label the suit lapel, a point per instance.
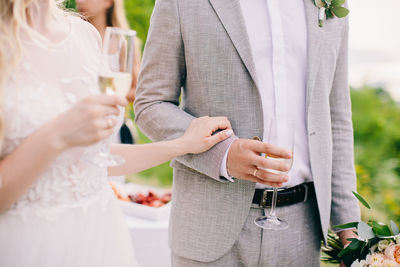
(314, 40)
(230, 15)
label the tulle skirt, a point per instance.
(92, 237)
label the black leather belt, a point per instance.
(288, 196)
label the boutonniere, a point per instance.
(330, 9)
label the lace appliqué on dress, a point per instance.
(31, 101)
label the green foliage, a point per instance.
(333, 8)
(340, 12)
(70, 4)
(138, 13)
(346, 225)
(162, 173)
(376, 119)
(362, 200)
(330, 253)
(369, 235)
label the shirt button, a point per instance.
(313, 133)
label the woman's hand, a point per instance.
(199, 136)
(87, 122)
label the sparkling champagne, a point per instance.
(115, 83)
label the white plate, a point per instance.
(139, 210)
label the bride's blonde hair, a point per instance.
(16, 18)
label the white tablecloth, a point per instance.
(150, 241)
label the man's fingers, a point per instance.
(250, 177)
(277, 185)
(269, 149)
(271, 177)
(266, 163)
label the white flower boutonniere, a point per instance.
(330, 9)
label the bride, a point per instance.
(56, 209)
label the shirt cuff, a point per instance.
(223, 169)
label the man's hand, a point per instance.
(245, 162)
(344, 235)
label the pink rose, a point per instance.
(393, 252)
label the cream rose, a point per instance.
(383, 244)
(357, 263)
(375, 259)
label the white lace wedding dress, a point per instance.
(69, 216)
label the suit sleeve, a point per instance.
(160, 82)
(344, 205)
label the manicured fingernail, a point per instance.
(229, 133)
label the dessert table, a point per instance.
(150, 241)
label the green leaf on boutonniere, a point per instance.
(337, 3)
(346, 225)
(329, 9)
(394, 228)
(319, 3)
(329, 14)
(362, 200)
(340, 12)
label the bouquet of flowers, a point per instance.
(377, 244)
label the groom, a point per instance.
(251, 61)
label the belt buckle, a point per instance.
(306, 193)
(264, 198)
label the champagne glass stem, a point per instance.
(273, 204)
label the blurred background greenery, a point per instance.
(376, 118)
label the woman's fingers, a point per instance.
(105, 123)
(109, 100)
(109, 111)
(220, 123)
(219, 137)
(105, 133)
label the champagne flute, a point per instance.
(115, 77)
(281, 134)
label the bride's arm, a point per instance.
(20, 169)
(197, 138)
(82, 125)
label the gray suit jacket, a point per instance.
(200, 48)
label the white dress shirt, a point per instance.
(277, 33)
